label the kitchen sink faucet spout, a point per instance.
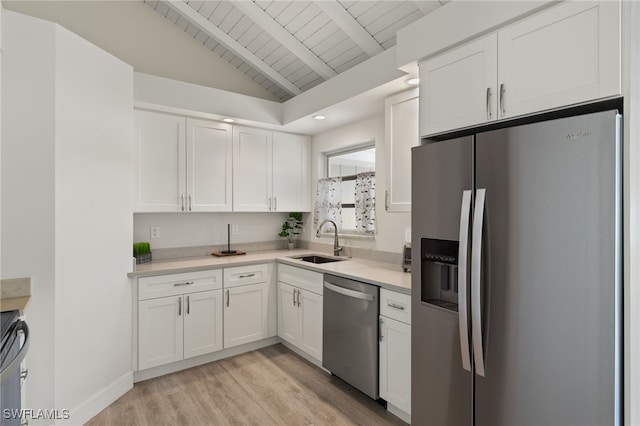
(336, 247)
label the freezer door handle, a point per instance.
(476, 271)
(463, 249)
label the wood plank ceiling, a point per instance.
(289, 47)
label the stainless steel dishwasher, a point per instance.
(350, 332)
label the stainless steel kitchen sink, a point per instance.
(316, 258)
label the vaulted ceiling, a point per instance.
(289, 47)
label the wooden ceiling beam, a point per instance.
(285, 38)
(223, 38)
(350, 26)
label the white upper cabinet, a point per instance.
(270, 171)
(160, 176)
(209, 173)
(401, 126)
(564, 55)
(252, 169)
(457, 88)
(291, 172)
(182, 164)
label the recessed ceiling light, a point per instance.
(413, 81)
(319, 117)
(228, 120)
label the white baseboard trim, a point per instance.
(402, 415)
(304, 355)
(161, 370)
(99, 401)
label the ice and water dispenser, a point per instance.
(439, 260)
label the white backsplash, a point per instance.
(206, 229)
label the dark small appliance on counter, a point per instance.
(406, 258)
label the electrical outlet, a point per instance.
(155, 232)
(407, 235)
(234, 230)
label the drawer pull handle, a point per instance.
(228, 298)
(183, 284)
(247, 276)
(394, 306)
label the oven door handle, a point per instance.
(349, 292)
(15, 363)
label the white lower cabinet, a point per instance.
(248, 305)
(202, 323)
(300, 309)
(171, 326)
(395, 349)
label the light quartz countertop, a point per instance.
(15, 293)
(385, 275)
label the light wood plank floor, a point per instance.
(270, 386)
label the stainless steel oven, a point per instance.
(350, 332)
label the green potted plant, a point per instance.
(142, 252)
(291, 227)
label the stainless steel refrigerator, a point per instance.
(516, 276)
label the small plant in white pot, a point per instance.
(291, 228)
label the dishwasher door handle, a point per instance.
(349, 292)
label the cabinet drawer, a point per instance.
(302, 278)
(395, 305)
(174, 284)
(243, 275)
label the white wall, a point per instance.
(390, 226)
(28, 222)
(138, 35)
(204, 229)
(631, 185)
(93, 226)
(66, 176)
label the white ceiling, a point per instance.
(289, 47)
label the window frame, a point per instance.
(341, 151)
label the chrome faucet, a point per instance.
(336, 247)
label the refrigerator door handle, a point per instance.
(463, 249)
(476, 270)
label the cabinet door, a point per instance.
(159, 183)
(288, 322)
(160, 331)
(291, 172)
(401, 127)
(209, 166)
(202, 323)
(395, 363)
(311, 323)
(252, 170)
(245, 314)
(564, 55)
(458, 88)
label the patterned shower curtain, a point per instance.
(329, 201)
(365, 201)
